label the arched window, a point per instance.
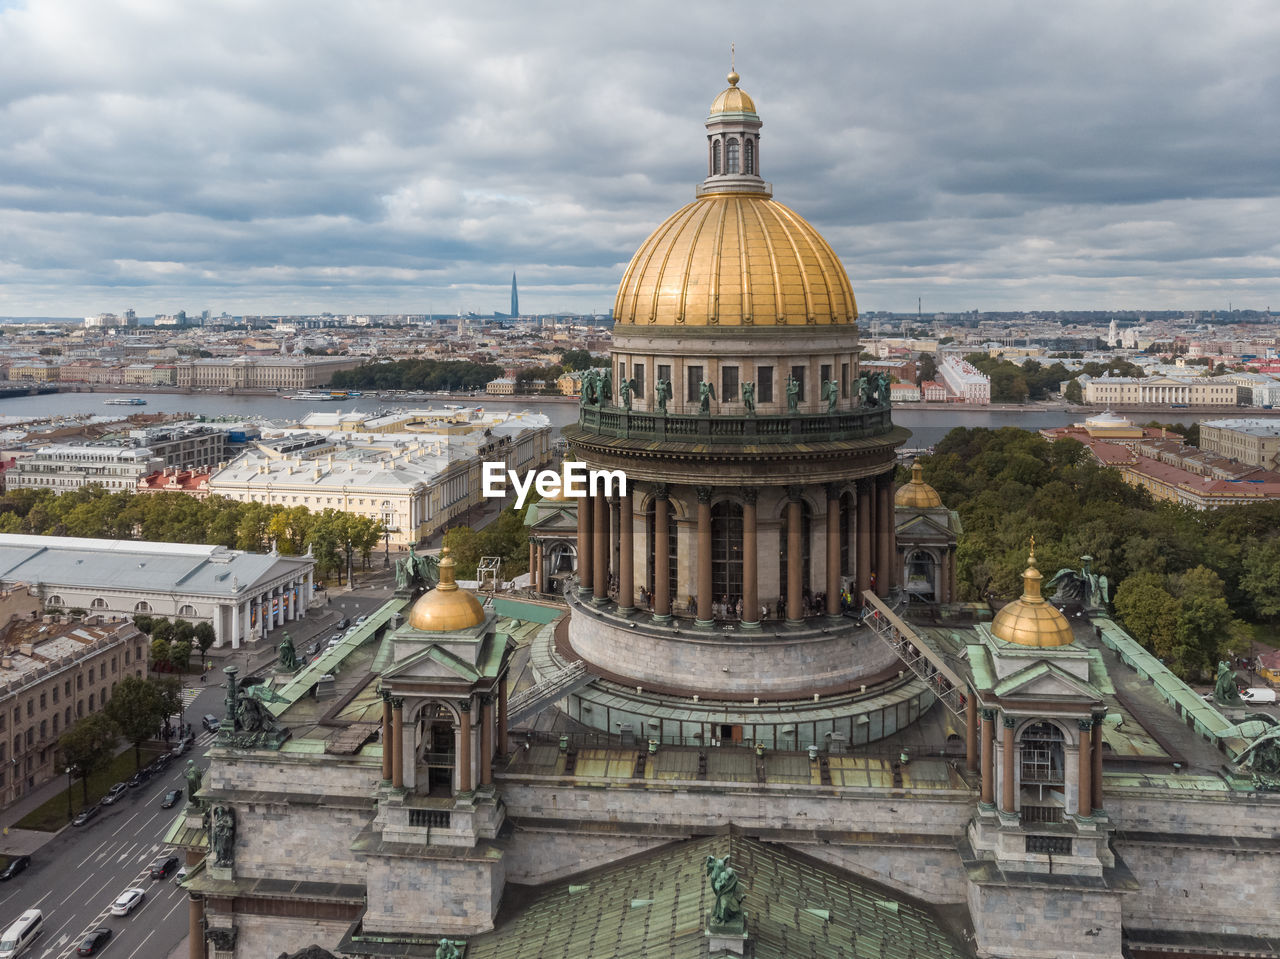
(726, 552)
(921, 570)
(806, 523)
(98, 603)
(715, 158)
(55, 600)
(187, 611)
(731, 157)
(1043, 764)
(749, 156)
(142, 607)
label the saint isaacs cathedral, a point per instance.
(713, 725)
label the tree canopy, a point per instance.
(89, 745)
(1179, 577)
(428, 375)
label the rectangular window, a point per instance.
(728, 384)
(55, 695)
(664, 371)
(694, 380)
(31, 708)
(622, 373)
(844, 381)
(824, 374)
(797, 374)
(637, 380)
(764, 384)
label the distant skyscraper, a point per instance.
(515, 296)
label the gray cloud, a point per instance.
(395, 157)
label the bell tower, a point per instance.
(733, 144)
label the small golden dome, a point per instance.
(917, 494)
(735, 260)
(732, 100)
(1032, 620)
(446, 608)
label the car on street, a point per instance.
(127, 901)
(344, 623)
(211, 722)
(361, 620)
(16, 865)
(180, 748)
(93, 941)
(138, 778)
(163, 866)
(181, 874)
(115, 794)
(87, 813)
(171, 799)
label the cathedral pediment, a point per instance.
(434, 662)
(1045, 680)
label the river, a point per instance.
(928, 426)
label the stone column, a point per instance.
(600, 548)
(503, 748)
(795, 557)
(704, 556)
(988, 772)
(1095, 749)
(486, 739)
(542, 569)
(863, 558)
(884, 534)
(533, 564)
(1006, 785)
(626, 554)
(585, 565)
(661, 555)
(195, 927)
(1084, 787)
(833, 550)
(388, 737)
(397, 740)
(615, 538)
(750, 562)
(464, 748)
(246, 634)
(971, 731)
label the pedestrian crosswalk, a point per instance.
(189, 695)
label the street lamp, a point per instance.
(386, 534)
(70, 770)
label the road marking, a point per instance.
(95, 851)
(141, 944)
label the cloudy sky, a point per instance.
(273, 156)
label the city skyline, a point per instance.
(288, 160)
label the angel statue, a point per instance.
(830, 393)
(793, 394)
(724, 883)
(662, 393)
(624, 392)
(706, 393)
(749, 397)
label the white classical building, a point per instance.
(965, 380)
(244, 595)
(62, 467)
(415, 472)
(1160, 390)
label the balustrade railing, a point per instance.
(735, 427)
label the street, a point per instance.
(76, 875)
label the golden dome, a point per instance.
(735, 260)
(1032, 620)
(917, 494)
(446, 608)
(732, 100)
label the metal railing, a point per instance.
(736, 428)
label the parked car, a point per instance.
(139, 778)
(181, 875)
(127, 901)
(115, 794)
(361, 620)
(93, 941)
(344, 623)
(171, 799)
(211, 722)
(87, 813)
(163, 866)
(16, 865)
(180, 747)
(1258, 694)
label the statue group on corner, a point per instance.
(874, 389)
(415, 572)
(288, 661)
(1083, 588)
(727, 910)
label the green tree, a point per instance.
(162, 630)
(927, 369)
(180, 655)
(161, 651)
(89, 745)
(204, 639)
(1072, 392)
(137, 707)
(1260, 577)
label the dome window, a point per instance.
(749, 157)
(731, 156)
(715, 158)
